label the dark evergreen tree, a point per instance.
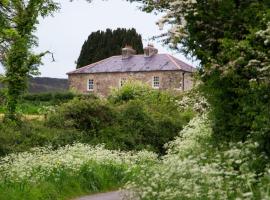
(103, 44)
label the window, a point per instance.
(90, 85)
(122, 82)
(156, 82)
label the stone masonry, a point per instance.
(104, 82)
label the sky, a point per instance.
(65, 33)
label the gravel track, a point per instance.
(103, 196)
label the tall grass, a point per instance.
(90, 178)
(67, 172)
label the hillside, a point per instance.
(45, 84)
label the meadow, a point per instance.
(67, 172)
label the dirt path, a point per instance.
(104, 196)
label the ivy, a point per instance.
(18, 20)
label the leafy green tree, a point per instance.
(18, 20)
(231, 40)
(103, 44)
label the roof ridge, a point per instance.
(173, 61)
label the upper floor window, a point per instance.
(122, 82)
(90, 84)
(156, 82)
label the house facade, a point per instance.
(160, 71)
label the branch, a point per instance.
(47, 52)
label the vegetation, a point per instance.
(231, 40)
(42, 103)
(195, 167)
(135, 117)
(18, 20)
(24, 135)
(223, 153)
(104, 44)
(67, 172)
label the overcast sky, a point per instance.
(65, 33)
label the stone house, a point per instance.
(160, 71)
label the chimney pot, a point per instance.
(150, 50)
(127, 52)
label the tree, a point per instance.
(231, 39)
(18, 20)
(103, 44)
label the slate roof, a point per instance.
(136, 63)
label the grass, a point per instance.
(31, 108)
(91, 178)
(70, 171)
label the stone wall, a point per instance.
(104, 82)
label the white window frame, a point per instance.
(92, 85)
(122, 82)
(156, 82)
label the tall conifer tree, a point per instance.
(103, 44)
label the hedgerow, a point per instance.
(198, 168)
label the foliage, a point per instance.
(42, 103)
(103, 44)
(231, 40)
(70, 171)
(134, 117)
(198, 168)
(57, 96)
(18, 137)
(193, 100)
(85, 115)
(18, 21)
(129, 91)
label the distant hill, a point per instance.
(45, 84)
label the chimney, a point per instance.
(127, 52)
(150, 50)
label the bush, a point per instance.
(85, 115)
(20, 137)
(134, 117)
(198, 168)
(54, 97)
(130, 91)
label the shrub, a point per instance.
(20, 137)
(130, 91)
(86, 115)
(198, 168)
(134, 117)
(58, 96)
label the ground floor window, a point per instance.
(90, 84)
(122, 82)
(156, 82)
